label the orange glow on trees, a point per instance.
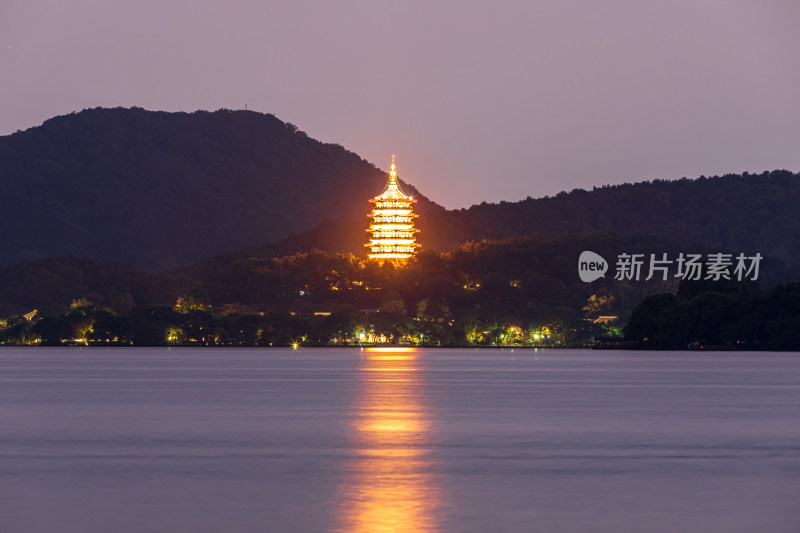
(392, 231)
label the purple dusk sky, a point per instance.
(480, 100)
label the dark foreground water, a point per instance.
(151, 440)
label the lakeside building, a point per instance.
(393, 235)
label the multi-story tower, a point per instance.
(392, 232)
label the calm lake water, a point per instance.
(215, 440)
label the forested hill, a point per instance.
(749, 211)
(732, 213)
(163, 189)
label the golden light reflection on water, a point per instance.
(390, 487)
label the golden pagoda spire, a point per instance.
(393, 189)
(392, 184)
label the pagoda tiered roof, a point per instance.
(392, 191)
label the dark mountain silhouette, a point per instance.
(751, 212)
(161, 189)
(732, 213)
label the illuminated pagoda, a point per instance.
(392, 232)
